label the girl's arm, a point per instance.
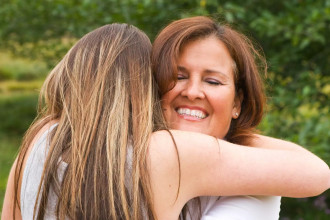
(247, 207)
(215, 167)
(261, 141)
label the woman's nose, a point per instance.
(193, 90)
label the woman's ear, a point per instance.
(237, 104)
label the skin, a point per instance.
(226, 169)
(205, 87)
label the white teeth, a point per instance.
(194, 113)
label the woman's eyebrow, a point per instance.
(217, 72)
(207, 71)
(182, 69)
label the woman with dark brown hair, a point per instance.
(209, 80)
(99, 148)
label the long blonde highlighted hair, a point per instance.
(102, 95)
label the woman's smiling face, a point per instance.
(203, 99)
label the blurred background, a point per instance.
(295, 35)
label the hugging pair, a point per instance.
(133, 131)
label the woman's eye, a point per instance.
(180, 77)
(213, 82)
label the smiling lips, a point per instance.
(191, 113)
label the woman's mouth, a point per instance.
(195, 113)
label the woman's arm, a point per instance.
(266, 142)
(247, 207)
(215, 167)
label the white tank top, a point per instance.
(32, 175)
(237, 208)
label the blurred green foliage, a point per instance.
(8, 149)
(21, 69)
(17, 112)
(294, 36)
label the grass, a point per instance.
(21, 69)
(13, 86)
(17, 111)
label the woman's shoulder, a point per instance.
(41, 136)
(36, 148)
(43, 132)
(168, 170)
(44, 129)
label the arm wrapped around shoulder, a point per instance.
(318, 167)
(269, 171)
(203, 165)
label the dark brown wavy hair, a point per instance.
(249, 63)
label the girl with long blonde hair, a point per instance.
(99, 99)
